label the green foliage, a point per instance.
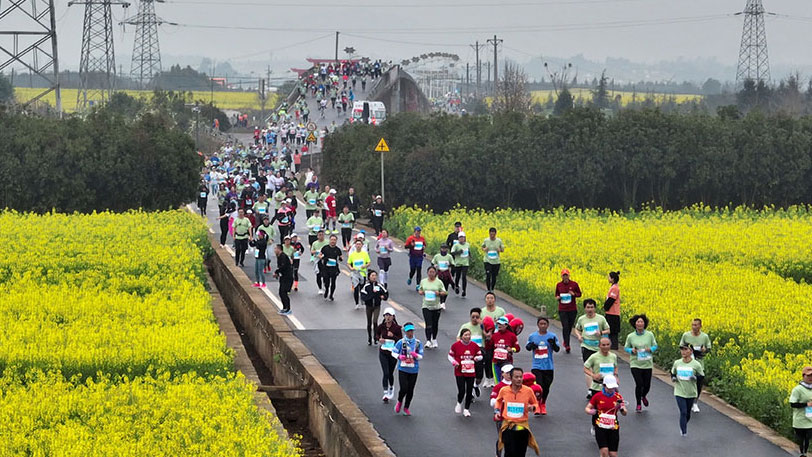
(580, 158)
(6, 91)
(564, 102)
(182, 78)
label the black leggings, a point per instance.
(296, 269)
(329, 283)
(346, 235)
(544, 378)
(803, 436)
(223, 230)
(388, 364)
(406, 382)
(465, 389)
(432, 318)
(614, 329)
(567, 322)
(372, 320)
(491, 272)
(700, 381)
(642, 382)
(515, 442)
(242, 246)
(461, 274)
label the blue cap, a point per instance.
(408, 327)
(502, 320)
(417, 229)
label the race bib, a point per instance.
(311, 201)
(443, 265)
(346, 225)
(418, 245)
(684, 374)
(383, 250)
(541, 353)
(566, 298)
(643, 355)
(203, 195)
(591, 329)
(808, 411)
(331, 262)
(256, 253)
(493, 255)
(500, 353)
(358, 264)
(467, 366)
(408, 363)
(514, 410)
(456, 242)
(431, 295)
(607, 368)
(591, 342)
(388, 345)
(477, 340)
(297, 255)
(317, 228)
(378, 213)
(464, 253)
(285, 220)
(376, 288)
(607, 421)
(261, 210)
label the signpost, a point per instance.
(382, 147)
(310, 140)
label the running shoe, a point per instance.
(428, 344)
(477, 392)
(397, 407)
(406, 412)
(458, 408)
(385, 398)
(442, 305)
(638, 409)
(357, 307)
(457, 290)
(417, 288)
(466, 413)
(256, 284)
(645, 402)
(592, 431)
(543, 409)
(262, 285)
(434, 343)
(463, 294)
(409, 282)
(567, 349)
(695, 408)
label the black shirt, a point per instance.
(261, 244)
(372, 297)
(330, 252)
(284, 268)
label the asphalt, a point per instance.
(336, 333)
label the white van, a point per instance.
(374, 112)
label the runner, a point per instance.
(315, 253)
(490, 313)
(464, 355)
(372, 293)
(262, 208)
(452, 240)
(377, 213)
(351, 202)
(701, 343)
(358, 261)
(492, 247)
(599, 365)
(298, 250)
(513, 405)
(316, 224)
(384, 247)
(323, 202)
(478, 337)
(224, 218)
(311, 198)
(612, 308)
(330, 205)
(243, 231)
(284, 273)
(594, 327)
(800, 400)
(603, 407)
(431, 289)
(542, 344)
(330, 256)
(416, 246)
(684, 372)
(346, 219)
(443, 262)
(461, 251)
(408, 351)
(202, 198)
(259, 245)
(386, 334)
(270, 234)
(286, 215)
(502, 344)
(641, 344)
(566, 292)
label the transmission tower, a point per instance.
(97, 67)
(754, 62)
(31, 43)
(146, 62)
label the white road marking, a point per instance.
(400, 308)
(296, 322)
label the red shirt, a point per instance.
(331, 205)
(411, 244)
(502, 342)
(606, 405)
(464, 354)
(568, 288)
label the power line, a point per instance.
(405, 5)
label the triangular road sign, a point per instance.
(382, 146)
(311, 138)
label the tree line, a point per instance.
(581, 158)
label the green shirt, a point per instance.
(697, 342)
(591, 330)
(278, 198)
(315, 224)
(442, 262)
(686, 374)
(358, 259)
(288, 250)
(477, 335)
(269, 230)
(262, 209)
(346, 220)
(431, 292)
(462, 254)
(323, 198)
(492, 250)
(801, 417)
(242, 228)
(643, 359)
(603, 364)
(311, 197)
(495, 314)
(315, 248)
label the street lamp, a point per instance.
(196, 110)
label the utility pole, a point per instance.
(489, 73)
(31, 42)
(495, 42)
(98, 59)
(146, 59)
(754, 62)
(337, 46)
(477, 47)
(467, 77)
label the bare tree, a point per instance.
(511, 93)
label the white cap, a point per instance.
(378, 196)
(507, 368)
(460, 234)
(360, 235)
(332, 191)
(389, 311)
(610, 382)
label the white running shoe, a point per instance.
(434, 343)
(385, 398)
(430, 344)
(357, 306)
(391, 393)
(466, 413)
(458, 408)
(592, 431)
(695, 408)
(442, 305)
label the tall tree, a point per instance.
(512, 95)
(6, 91)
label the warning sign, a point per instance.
(311, 138)
(311, 126)
(382, 146)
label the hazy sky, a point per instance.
(640, 30)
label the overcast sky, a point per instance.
(640, 30)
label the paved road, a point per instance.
(336, 333)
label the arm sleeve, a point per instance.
(554, 344)
(608, 303)
(797, 405)
(530, 345)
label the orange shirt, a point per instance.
(614, 292)
(514, 405)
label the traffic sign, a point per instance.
(311, 138)
(382, 146)
(311, 126)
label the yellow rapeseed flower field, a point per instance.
(626, 97)
(745, 273)
(108, 343)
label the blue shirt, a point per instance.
(412, 345)
(543, 355)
